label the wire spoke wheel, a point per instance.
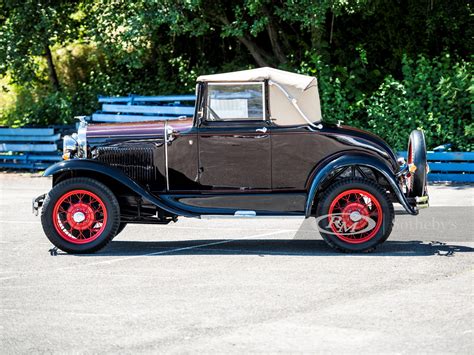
(355, 216)
(79, 216)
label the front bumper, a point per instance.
(37, 203)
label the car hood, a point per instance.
(135, 130)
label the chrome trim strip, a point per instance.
(245, 213)
(227, 216)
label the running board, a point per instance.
(249, 214)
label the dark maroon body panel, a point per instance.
(235, 158)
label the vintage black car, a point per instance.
(256, 146)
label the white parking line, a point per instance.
(22, 222)
(255, 236)
(178, 227)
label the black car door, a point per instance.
(234, 138)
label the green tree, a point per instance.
(381, 64)
(28, 30)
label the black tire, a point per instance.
(103, 215)
(382, 209)
(416, 154)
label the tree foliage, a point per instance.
(384, 65)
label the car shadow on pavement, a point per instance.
(282, 247)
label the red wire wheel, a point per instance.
(79, 216)
(355, 216)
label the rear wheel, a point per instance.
(355, 215)
(80, 215)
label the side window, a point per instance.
(235, 102)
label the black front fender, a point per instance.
(113, 173)
(361, 160)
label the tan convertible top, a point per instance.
(293, 98)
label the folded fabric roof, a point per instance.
(293, 100)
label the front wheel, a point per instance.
(354, 215)
(80, 215)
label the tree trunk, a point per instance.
(316, 37)
(273, 36)
(53, 76)
(260, 57)
(276, 48)
(254, 51)
(332, 28)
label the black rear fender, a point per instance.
(324, 171)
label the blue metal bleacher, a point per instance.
(28, 148)
(450, 166)
(144, 108)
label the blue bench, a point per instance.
(450, 166)
(144, 108)
(28, 148)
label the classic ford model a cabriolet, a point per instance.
(256, 146)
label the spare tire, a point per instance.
(416, 181)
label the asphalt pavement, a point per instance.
(232, 285)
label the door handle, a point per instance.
(261, 130)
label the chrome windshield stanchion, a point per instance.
(168, 131)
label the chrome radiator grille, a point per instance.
(137, 163)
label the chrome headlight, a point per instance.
(70, 146)
(75, 145)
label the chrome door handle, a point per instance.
(262, 130)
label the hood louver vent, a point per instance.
(137, 163)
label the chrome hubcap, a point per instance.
(355, 216)
(79, 217)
